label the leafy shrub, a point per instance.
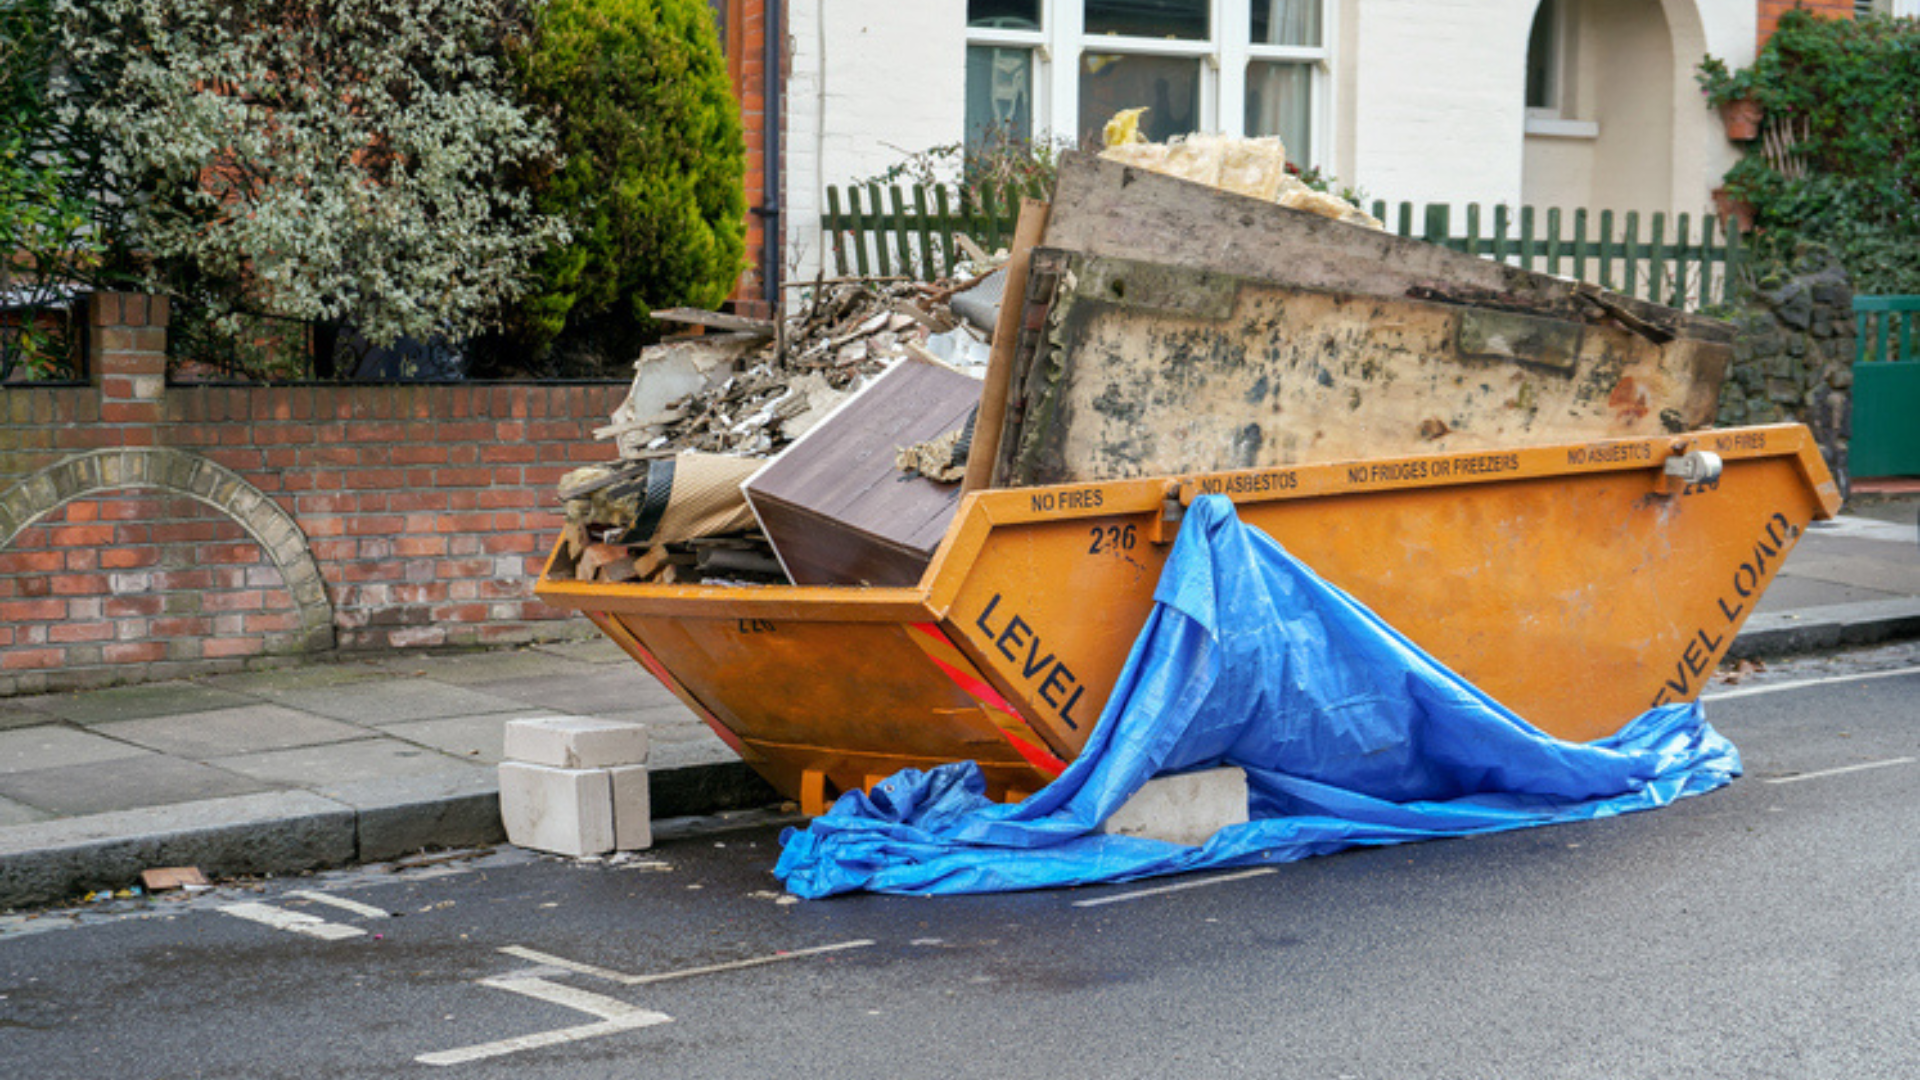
(328, 160)
(1844, 98)
(651, 188)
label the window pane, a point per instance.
(1183, 19)
(1004, 14)
(1286, 22)
(1280, 102)
(1543, 57)
(999, 95)
(1168, 86)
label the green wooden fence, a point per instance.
(910, 231)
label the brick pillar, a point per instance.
(127, 360)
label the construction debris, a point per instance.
(706, 410)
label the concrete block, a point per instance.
(1184, 809)
(632, 808)
(576, 742)
(563, 811)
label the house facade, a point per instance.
(1570, 103)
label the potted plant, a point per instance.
(1732, 93)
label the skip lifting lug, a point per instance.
(1689, 468)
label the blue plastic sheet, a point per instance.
(1349, 733)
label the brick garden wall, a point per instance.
(1771, 10)
(149, 531)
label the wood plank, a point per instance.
(718, 320)
(1107, 209)
(988, 423)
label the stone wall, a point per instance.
(1793, 356)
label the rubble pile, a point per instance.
(753, 391)
(728, 399)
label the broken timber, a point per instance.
(1260, 336)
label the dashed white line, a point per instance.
(1841, 771)
(293, 921)
(1801, 684)
(1141, 893)
(343, 904)
(625, 979)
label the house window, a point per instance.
(1285, 56)
(1543, 58)
(1062, 68)
(1002, 39)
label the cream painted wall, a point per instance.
(871, 82)
(1438, 104)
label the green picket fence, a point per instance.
(876, 231)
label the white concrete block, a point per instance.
(1184, 809)
(632, 808)
(576, 742)
(563, 811)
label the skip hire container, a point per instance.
(1579, 584)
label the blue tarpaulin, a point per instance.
(1349, 734)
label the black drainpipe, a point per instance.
(769, 208)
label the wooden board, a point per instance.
(834, 506)
(1104, 208)
(1147, 369)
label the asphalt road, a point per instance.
(1762, 931)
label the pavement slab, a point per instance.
(481, 669)
(317, 676)
(393, 701)
(602, 692)
(247, 729)
(130, 702)
(15, 717)
(476, 738)
(53, 746)
(123, 784)
(317, 767)
(14, 813)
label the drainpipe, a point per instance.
(769, 208)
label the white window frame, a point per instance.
(1057, 48)
(1560, 120)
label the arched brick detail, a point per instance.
(195, 477)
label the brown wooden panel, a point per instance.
(834, 505)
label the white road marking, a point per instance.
(344, 904)
(615, 1016)
(571, 997)
(1801, 684)
(534, 1041)
(294, 921)
(1140, 893)
(625, 979)
(1841, 771)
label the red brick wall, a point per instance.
(1771, 10)
(428, 510)
(139, 577)
(746, 61)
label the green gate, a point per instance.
(1886, 388)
